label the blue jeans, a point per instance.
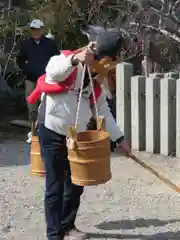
(62, 197)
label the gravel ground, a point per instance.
(133, 205)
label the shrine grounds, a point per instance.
(133, 205)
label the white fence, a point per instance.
(148, 110)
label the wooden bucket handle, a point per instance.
(100, 127)
(72, 133)
(101, 68)
(100, 123)
(33, 128)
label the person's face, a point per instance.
(37, 33)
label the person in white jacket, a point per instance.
(56, 113)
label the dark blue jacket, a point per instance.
(33, 57)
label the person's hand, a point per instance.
(125, 148)
(85, 56)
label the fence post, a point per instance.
(178, 118)
(124, 72)
(153, 114)
(138, 112)
(159, 75)
(168, 116)
(173, 75)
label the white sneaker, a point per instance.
(29, 140)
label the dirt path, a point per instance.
(134, 205)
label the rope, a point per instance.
(80, 96)
(81, 92)
(93, 92)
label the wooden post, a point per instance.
(153, 114)
(173, 75)
(178, 118)
(138, 112)
(124, 72)
(168, 116)
(158, 75)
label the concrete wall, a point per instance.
(148, 110)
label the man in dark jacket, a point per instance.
(33, 57)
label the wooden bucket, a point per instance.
(90, 158)
(36, 163)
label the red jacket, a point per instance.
(43, 87)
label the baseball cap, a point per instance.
(36, 23)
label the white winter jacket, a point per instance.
(61, 108)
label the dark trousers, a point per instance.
(62, 198)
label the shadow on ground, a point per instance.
(14, 151)
(158, 236)
(132, 224)
(12, 132)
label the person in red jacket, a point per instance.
(57, 112)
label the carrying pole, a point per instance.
(155, 173)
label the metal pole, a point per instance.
(9, 7)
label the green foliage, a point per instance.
(64, 17)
